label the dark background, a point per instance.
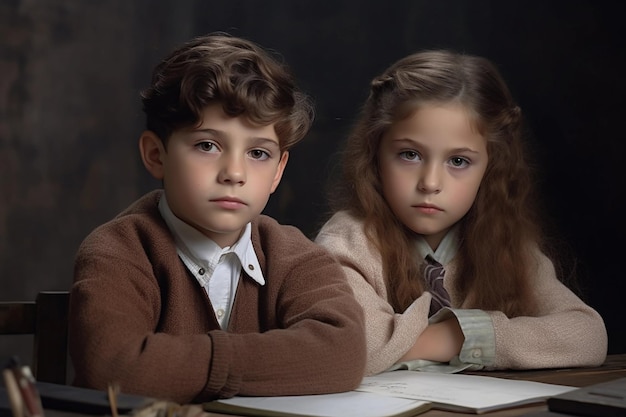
(70, 117)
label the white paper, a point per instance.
(460, 392)
(362, 404)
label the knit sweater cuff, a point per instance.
(224, 372)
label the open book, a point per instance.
(460, 392)
(400, 393)
(353, 403)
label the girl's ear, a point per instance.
(152, 153)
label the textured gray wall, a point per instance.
(71, 70)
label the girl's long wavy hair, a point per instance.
(500, 228)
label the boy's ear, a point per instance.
(279, 171)
(152, 153)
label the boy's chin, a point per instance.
(223, 236)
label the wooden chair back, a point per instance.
(46, 319)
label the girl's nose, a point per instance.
(430, 179)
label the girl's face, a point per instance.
(431, 166)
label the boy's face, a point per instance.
(219, 175)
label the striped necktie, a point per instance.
(433, 275)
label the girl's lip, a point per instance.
(428, 208)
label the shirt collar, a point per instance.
(204, 251)
(446, 250)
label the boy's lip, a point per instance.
(228, 199)
(228, 203)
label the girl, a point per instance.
(434, 175)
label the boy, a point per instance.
(191, 294)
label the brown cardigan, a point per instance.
(140, 319)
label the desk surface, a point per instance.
(613, 368)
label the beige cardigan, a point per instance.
(565, 333)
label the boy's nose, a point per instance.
(233, 171)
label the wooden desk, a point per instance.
(613, 368)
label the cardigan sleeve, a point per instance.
(389, 335)
(563, 332)
(311, 338)
(116, 315)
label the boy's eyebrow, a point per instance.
(266, 141)
(258, 139)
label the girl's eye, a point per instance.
(207, 146)
(459, 162)
(409, 155)
(259, 154)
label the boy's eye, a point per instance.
(259, 154)
(207, 146)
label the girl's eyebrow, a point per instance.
(463, 150)
(412, 142)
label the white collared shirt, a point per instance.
(216, 269)
(446, 250)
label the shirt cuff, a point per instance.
(452, 367)
(479, 347)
